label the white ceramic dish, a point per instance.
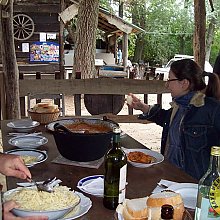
(28, 141)
(52, 215)
(40, 155)
(159, 157)
(23, 125)
(188, 191)
(88, 180)
(85, 205)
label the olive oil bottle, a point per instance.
(115, 173)
(208, 199)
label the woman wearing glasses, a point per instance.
(192, 124)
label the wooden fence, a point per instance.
(72, 87)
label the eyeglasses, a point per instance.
(170, 80)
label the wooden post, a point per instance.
(125, 51)
(77, 98)
(159, 96)
(61, 43)
(22, 99)
(199, 32)
(9, 62)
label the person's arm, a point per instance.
(137, 104)
(8, 215)
(13, 165)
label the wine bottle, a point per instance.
(167, 212)
(115, 173)
(208, 200)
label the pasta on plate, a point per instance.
(34, 200)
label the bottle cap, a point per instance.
(167, 211)
(215, 151)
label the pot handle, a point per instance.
(59, 127)
(109, 120)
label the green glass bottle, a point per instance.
(115, 173)
(208, 199)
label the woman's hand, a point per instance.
(13, 165)
(138, 104)
(8, 215)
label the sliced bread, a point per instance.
(135, 209)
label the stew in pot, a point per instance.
(83, 127)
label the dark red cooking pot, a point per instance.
(83, 147)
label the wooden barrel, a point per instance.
(101, 104)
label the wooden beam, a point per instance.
(37, 67)
(92, 86)
(41, 8)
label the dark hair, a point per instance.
(190, 70)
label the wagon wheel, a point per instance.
(23, 27)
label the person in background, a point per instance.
(216, 68)
(192, 124)
(13, 165)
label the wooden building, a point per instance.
(37, 21)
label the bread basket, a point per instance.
(43, 118)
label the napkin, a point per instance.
(95, 187)
(167, 183)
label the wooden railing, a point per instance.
(92, 86)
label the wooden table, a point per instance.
(141, 182)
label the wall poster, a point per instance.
(44, 52)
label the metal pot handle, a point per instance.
(109, 120)
(59, 127)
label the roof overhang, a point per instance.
(107, 22)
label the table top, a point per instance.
(141, 182)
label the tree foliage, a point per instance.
(169, 27)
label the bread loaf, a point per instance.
(134, 209)
(45, 107)
(155, 201)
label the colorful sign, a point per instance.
(44, 52)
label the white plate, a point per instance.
(85, 205)
(23, 125)
(40, 155)
(188, 191)
(88, 180)
(28, 141)
(159, 157)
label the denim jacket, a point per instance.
(199, 130)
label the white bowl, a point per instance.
(41, 156)
(52, 214)
(23, 125)
(28, 141)
(158, 157)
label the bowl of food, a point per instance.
(143, 158)
(82, 139)
(44, 112)
(53, 205)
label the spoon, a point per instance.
(41, 187)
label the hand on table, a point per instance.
(8, 206)
(13, 165)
